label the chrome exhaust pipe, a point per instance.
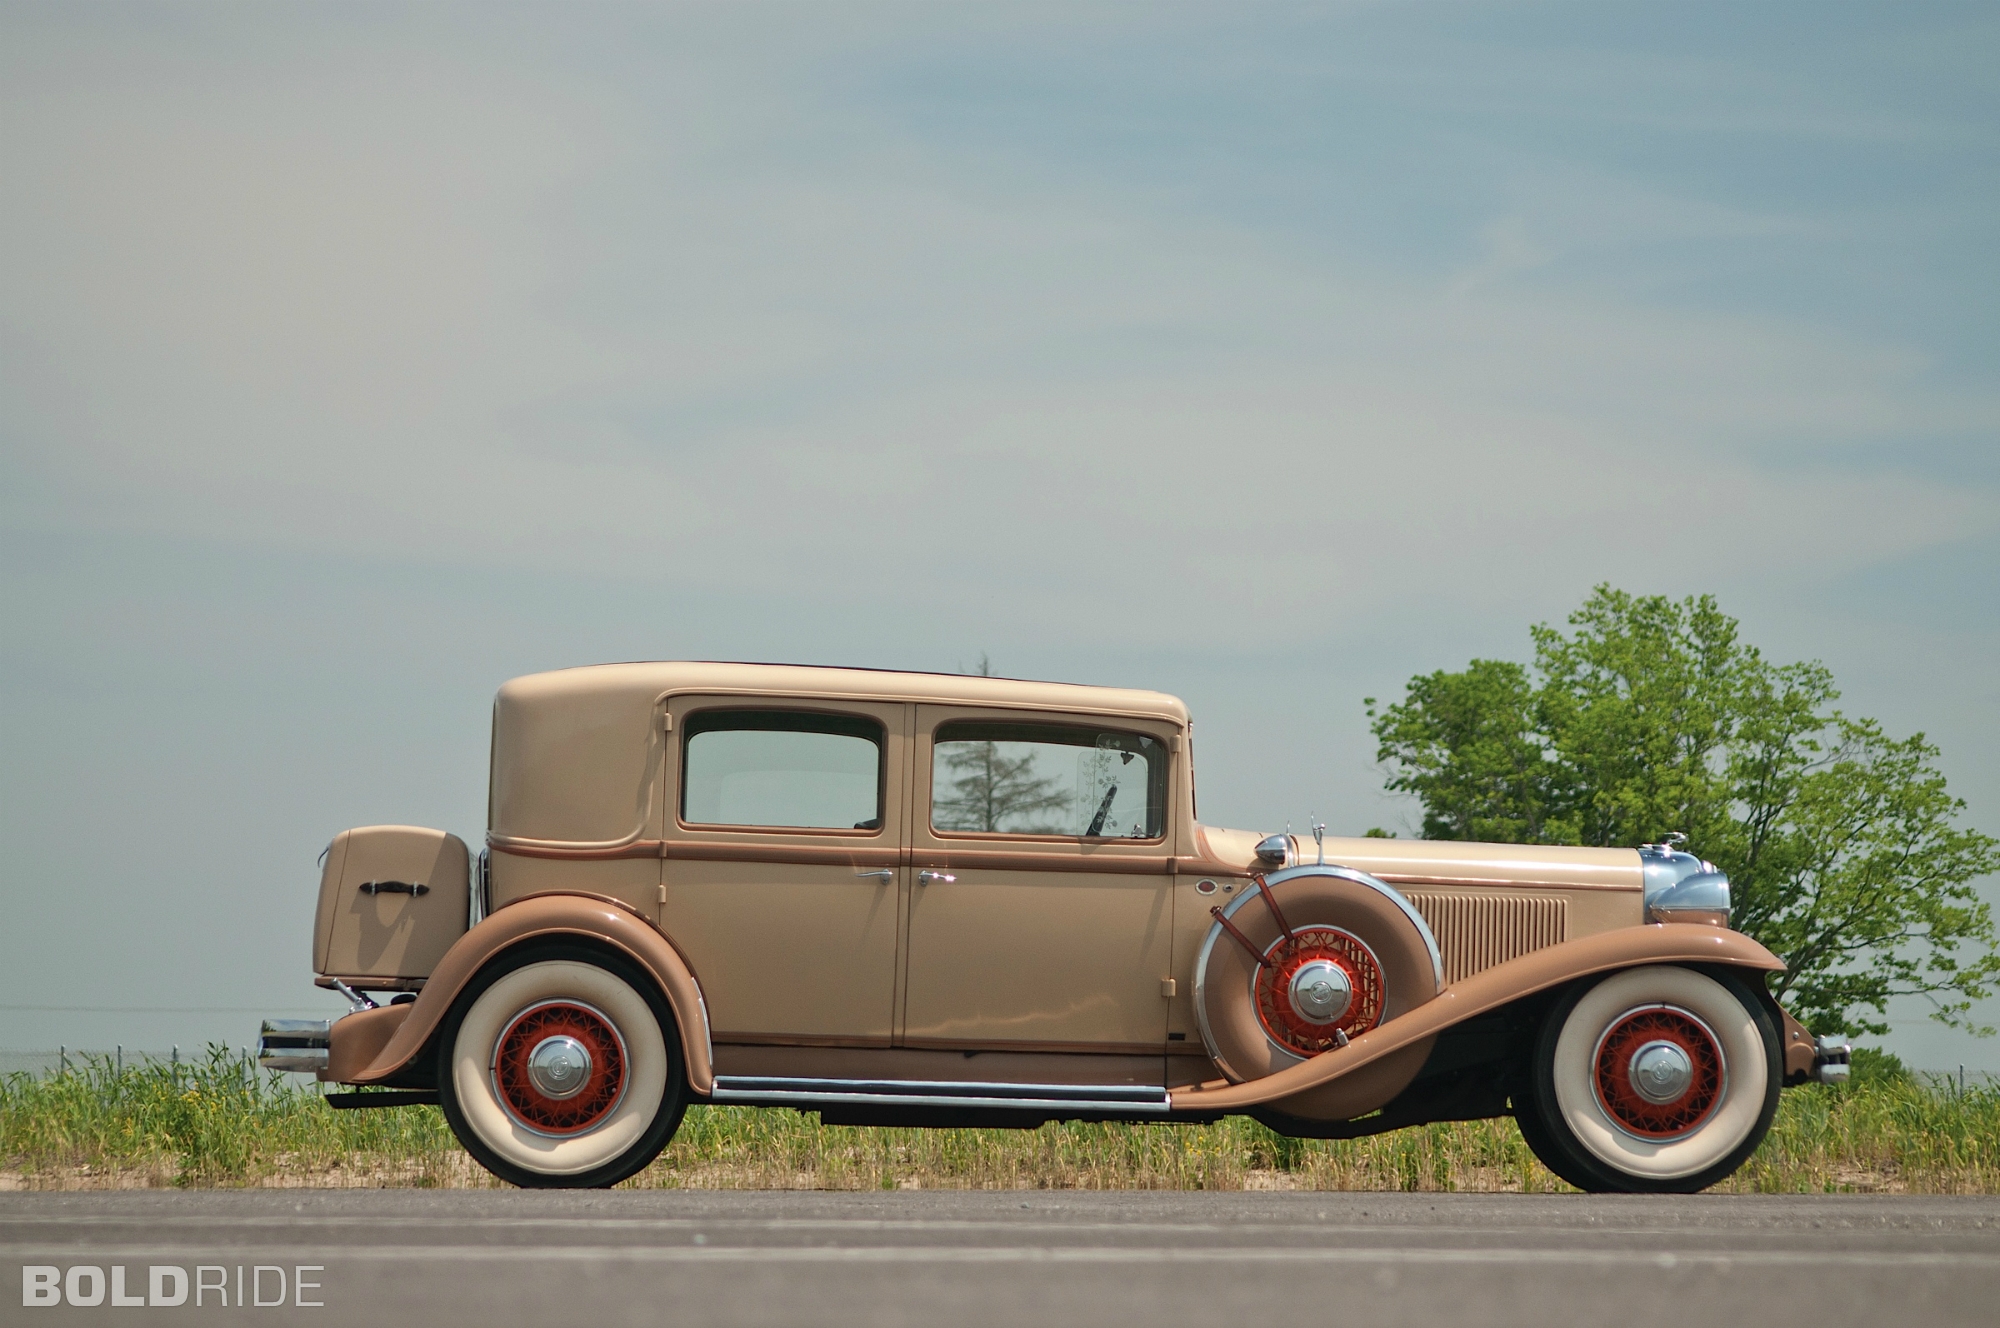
(299, 1045)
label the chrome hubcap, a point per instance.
(1320, 992)
(559, 1067)
(1661, 1072)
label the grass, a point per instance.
(219, 1122)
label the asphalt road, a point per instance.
(962, 1260)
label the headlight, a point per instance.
(1702, 897)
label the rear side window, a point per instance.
(782, 768)
(1005, 777)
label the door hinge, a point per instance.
(1169, 987)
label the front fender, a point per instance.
(1552, 966)
(544, 915)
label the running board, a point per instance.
(1119, 1098)
(393, 1097)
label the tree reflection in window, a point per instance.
(998, 777)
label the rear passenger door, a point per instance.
(783, 876)
(1040, 913)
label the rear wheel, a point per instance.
(1652, 1080)
(560, 1067)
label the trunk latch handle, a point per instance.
(394, 888)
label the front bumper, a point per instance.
(1830, 1060)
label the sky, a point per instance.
(355, 359)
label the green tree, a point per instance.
(1651, 715)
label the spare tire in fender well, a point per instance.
(1541, 970)
(1397, 946)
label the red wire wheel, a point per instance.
(1295, 1029)
(559, 1067)
(1659, 1072)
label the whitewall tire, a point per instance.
(561, 1067)
(1659, 1078)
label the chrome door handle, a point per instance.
(926, 876)
(884, 874)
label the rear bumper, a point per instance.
(298, 1045)
(337, 1051)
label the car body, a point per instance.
(926, 899)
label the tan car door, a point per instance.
(785, 836)
(1040, 913)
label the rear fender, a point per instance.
(1503, 984)
(375, 1059)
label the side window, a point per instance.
(787, 768)
(1004, 777)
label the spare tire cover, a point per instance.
(1394, 968)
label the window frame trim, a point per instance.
(928, 742)
(685, 738)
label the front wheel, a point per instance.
(560, 1067)
(1652, 1080)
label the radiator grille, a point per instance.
(1475, 932)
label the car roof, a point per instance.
(657, 678)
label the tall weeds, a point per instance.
(216, 1121)
(219, 1122)
(1893, 1132)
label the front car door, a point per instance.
(1040, 914)
(784, 844)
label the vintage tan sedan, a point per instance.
(938, 900)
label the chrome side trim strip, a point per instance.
(941, 1093)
